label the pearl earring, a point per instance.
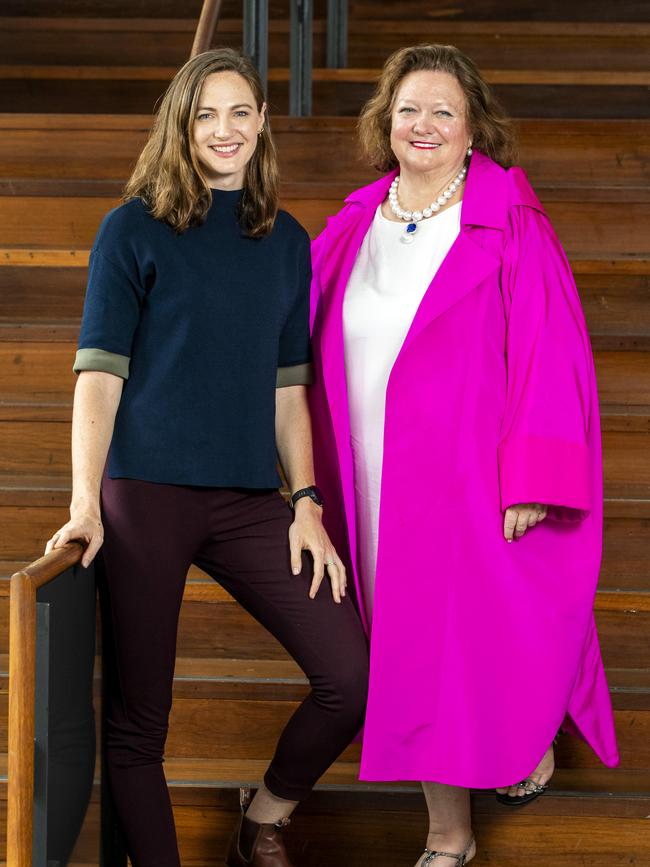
(469, 151)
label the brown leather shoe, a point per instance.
(255, 845)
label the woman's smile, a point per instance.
(226, 150)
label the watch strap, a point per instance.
(311, 491)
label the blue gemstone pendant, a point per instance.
(409, 233)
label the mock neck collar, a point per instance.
(225, 195)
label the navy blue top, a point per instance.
(202, 326)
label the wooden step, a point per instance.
(607, 263)
(136, 90)
(556, 154)
(618, 592)
(531, 11)
(397, 838)
(583, 228)
(219, 629)
(39, 447)
(629, 332)
(104, 147)
(592, 76)
(215, 627)
(599, 195)
(167, 42)
(222, 695)
(149, 9)
(42, 370)
(616, 306)
(390, 820)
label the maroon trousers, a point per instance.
(153, 533)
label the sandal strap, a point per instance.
(461, 859)
(531, 787)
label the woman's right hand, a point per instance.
(84, 526)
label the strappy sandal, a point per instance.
(532, 789)
(461, 860)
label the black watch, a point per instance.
(312, 492)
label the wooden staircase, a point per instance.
(79, 83)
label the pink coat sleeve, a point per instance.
(545, 448)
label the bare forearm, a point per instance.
(293, 436)
(96, 399)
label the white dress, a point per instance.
(387, 284)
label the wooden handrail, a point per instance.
(22, 674)
(206, 26)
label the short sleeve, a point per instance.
(112, 306)
(294, 357)
(544, 452)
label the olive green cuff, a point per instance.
(99, 359)
(297, 374)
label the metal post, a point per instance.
(337, 34)
(302, 13)
(256, 35)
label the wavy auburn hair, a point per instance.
(167, 175)
(491, 129)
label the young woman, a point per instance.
(193, 360)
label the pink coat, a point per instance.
(480, 649)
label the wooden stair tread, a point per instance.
(72, 222)
(533, 127)
(536, 77)
(628, 498)
(267, 670)
(183, 772)
(356, 26)
(33, 490)
(635, 337)
(286, 671)
(489, 11)
(588, 94)
(229, 773)
(603, 262)
(548, 192)
(58, 408)
(201, 587)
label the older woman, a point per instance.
(457, 427)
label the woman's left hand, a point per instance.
(519, 518)
(308, 534)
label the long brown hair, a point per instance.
(168, 177)
(491, 129)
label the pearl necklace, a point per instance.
(414, 217)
